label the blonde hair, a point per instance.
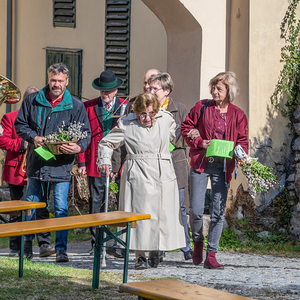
(230, 81)
(143, 101)
(164, 79)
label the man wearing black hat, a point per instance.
(101, 112)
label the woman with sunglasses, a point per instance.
(148, 180)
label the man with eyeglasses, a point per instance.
(146, 88)
(101, 112)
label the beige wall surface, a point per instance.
(211, 15)
(148, 45)
(264, 61)
(34, 31)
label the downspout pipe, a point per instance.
(8, 44)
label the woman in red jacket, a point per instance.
(207, 120)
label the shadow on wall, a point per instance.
(184, 47)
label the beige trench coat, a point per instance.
(148, 180)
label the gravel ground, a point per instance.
(251, 275)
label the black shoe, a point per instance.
(13, 253)
(140, 263)
(162, 254)
(28, 250)
(116, 252)
(46, 250)
(61, 256)
(188, 255)
(153, 259)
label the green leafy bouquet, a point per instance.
(258, 176)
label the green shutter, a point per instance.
(64, 13)
(117, 41)
(72, 58)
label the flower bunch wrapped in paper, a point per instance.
(259, 177)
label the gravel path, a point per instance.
(255, 276)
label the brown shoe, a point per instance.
(211, 262)
(46, 250)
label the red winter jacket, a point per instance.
(15, 151)
(236, 130)
(89, 157)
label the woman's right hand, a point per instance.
(105, 169)
(206, 143)
(193, 133)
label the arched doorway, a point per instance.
(184, 43)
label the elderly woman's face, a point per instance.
(147, 116)
(157, 90)
(219, 92)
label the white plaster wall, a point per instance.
(211, 16)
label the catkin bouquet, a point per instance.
(259, 177)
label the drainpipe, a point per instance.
(9, 45)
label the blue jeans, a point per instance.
(197, 202)
(60, 193)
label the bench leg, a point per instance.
(21, 254)
(126, 259)
(97, 257)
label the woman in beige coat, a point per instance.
(148, 180)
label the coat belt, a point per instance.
(146, 156)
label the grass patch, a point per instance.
(48, 281)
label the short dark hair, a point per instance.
(58, 68)
(143, 101)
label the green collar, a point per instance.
(65, 104)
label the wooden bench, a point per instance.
(174, 289)
(100, 220)
(21, 209)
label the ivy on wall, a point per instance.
(288, 86)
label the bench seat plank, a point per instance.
(174, 289)
(18, 205)
(66, 223)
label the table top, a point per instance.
(17, 205)
(66, 223)
(174, 289)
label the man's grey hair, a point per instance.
(58, 68)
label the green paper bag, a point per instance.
(171, 147)
(44, 153)
(220, 148)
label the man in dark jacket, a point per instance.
(41, 114)
(102, 113)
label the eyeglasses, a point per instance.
(150, 114)
(154, 89)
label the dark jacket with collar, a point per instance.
(36, 117)
(94, 109)
(180, 161)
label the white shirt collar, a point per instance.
(111, 104)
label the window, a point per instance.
(64, 13)
(72, 58)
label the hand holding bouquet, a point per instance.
(259, 177)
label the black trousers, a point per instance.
(97, 198)
(16, 193)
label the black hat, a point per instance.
(107, 81)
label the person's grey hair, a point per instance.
(29, 90)
(164, 79)
(58, 68)
(231, 82)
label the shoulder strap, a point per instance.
(203, 108)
